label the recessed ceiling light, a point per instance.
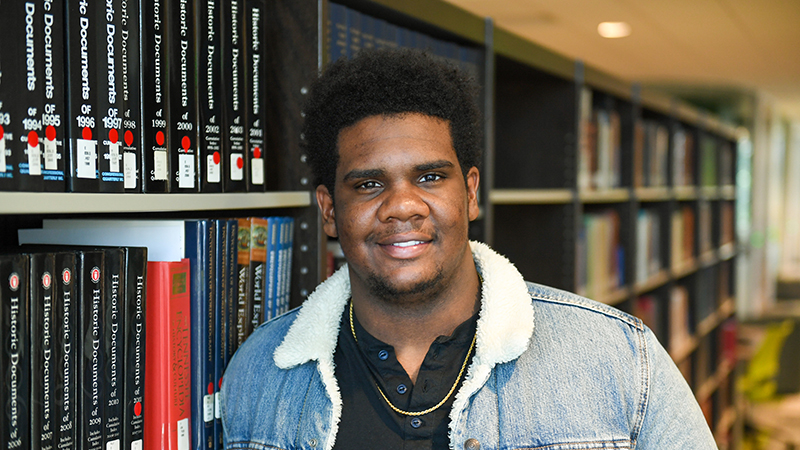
(614, 29)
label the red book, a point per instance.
(167, 388)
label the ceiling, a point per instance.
(689, 46)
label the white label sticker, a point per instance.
(113, 157)
(237, 166)
(129, 169)
(160, 165)
(113, 445)
(213, 171)
(183, 434)
(218, 403)
(34, 160)
(136, 445)
(257, 170)
(2, 154)
(186, 171)
(208, 407)
(87, 158)
(50, 155)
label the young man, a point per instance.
(425, 339)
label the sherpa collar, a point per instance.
(505, 326)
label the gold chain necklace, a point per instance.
(433, 408)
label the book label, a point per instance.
(87, 156)
(34, 154)
(2, 146)
(213, 170)
(183, 434)
(237, 166)
(130, 172)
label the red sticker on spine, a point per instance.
(87, 133)
(33, 139)
(50, 133)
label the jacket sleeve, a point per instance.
(672, 417)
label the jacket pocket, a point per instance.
(616, 443)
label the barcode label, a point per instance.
(183, 434)
(257, 170)
(129, 169)
(160, 165)
(87, 158)
(34, 160)
(50, 155)
(212, 170)
(186, 172)
(208, 407)
(237, 166)
(113, 155)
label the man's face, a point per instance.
(402, 207)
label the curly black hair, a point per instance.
(389, 82)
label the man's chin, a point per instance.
(398, 294)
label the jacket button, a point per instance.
(472, 444)
(312, 442)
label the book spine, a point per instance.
(109, 99)
(183, 97)
(201, 252)
(167, 372)
(233, 289)
(113, 340)
(208, 63)
(53, 112)
(179, 368)
(256, 114)
(337, 31)
(31, 102)
(66, 347)
(220, 298)
(273, 262)
(42, 380)
(134, 342)
(91, 358)
(131, 108)
(234, 107)
(154, 92)
(15, 359)
(82, 96)
(288, 269)
(243, 283)
(258, 263)
(10, 86)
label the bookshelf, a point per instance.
(293, 48)
(537, 185)
(567, 147)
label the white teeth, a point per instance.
(406, 244)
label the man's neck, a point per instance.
(411, 328)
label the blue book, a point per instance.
(338, 32)
(232, 250)
(354, 32)
(201, 252)
(220, 300)
(288, 245)
(368, 25)
(273, 253)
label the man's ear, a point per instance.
(473, 181)
(325, 204)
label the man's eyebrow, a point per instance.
(433, 165)
(357, 174)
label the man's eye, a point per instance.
(368, 185)
(428, 177)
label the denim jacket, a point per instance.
(586, 376)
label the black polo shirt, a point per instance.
(368, 422)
